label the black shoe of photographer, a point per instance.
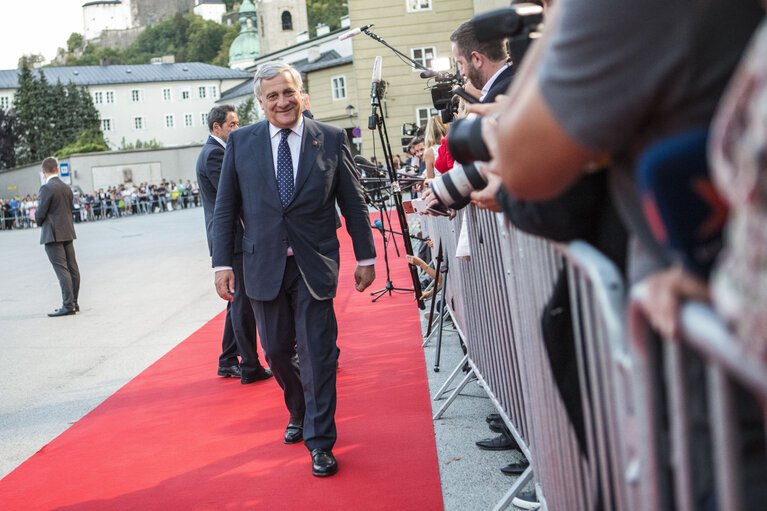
(499, 443)
(515, 469)
(493, 417)
(497, 426)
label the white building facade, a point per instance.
(168, 103)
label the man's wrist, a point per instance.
(366, 262)
(217, 269)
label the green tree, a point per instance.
(222, 59)
(9, 136)
(247, 112)
(89, 141)
(50, 116)
(75, 42)
(328, 12)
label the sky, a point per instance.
(36, 26)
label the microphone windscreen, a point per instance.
(377, 223)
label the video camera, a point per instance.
(520, 24)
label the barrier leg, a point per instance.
(441, 318)
(514, 490)
(450, 378)
(722, 412)
(436, 288)
(454, 395)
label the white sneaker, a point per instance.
(526, 500)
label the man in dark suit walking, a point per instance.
(54, 216)
(286, 174)
(240, 323)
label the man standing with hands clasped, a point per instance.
(54, 216)
(286, 174)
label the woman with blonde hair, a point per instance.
(435, 131)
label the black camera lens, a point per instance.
(465, 141)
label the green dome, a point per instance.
(246, 45)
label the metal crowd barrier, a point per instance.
(703, 403)
(496, 299)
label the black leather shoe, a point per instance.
(324, 464)
(233, 371)
(77, 308)
(493, 417)
(261, 374)
(497, 426)
(515, 469)
(294, 433)
(499, 443)
(61, 312)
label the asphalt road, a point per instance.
(146, 285)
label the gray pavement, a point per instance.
(146, 286)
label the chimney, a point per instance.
(322, 29)
(346, 22)
(302, 37)
(313, 54)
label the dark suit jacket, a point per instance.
(208, 173)
(54, 212)
(500, 84)
(308, 224)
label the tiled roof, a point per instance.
(237, 91)
(141, 73)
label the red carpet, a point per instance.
(177, 437)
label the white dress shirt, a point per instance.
(214, 137)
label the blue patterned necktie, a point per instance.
(284, 169)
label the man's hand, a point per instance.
(663, 293)
(485, 198)
(364, 276)
(225, 284)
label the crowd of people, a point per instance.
(112, 202)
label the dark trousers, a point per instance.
(62, 257)
(296, 319)
(239, 327)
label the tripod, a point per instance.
(380, 205)
(376, 121)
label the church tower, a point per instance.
(245, 48)
(280, 22)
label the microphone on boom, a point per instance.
(376, 83)
(354, 32)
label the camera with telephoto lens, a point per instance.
(519, 23)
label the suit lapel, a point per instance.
(262, 156)
(311, 143)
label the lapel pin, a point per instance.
(315, 143)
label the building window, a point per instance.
(213, 91)
(423, 56)
(423, 113)
(201, 92)
(135, 95)
(418, 5)
(338, 84)
(110, 96)
(170, 121)
(138, 123)
(5, 102)
(204, 118)
(106, 125)
(188, 120)
(287, 20)
(166, 94)
(98, 98)
(186, 93)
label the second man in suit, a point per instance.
(285, 174)
(240, 324)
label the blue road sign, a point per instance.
(64, 169)
(356, 132)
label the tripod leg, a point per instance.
(436, 285)
(441, 321)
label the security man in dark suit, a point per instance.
(54, 216)
(285, 174)
(240, 323)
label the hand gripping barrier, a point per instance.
(702, 415)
